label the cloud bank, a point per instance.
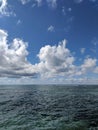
(54, 61)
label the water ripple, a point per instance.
(48, 107)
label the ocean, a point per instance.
(48, 107)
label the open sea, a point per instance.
(48, 107)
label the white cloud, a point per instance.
(50, 28)
(89, 63)
(55, 60)
(5, 9)
(13, 61)
(82, 50)
(3, 4)
(52, 3)
(88, 66)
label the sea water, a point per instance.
(48, 107)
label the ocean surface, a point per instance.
(48, 107)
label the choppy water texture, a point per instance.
(46, 107)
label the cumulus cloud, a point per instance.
(59, 61)
(50, 28)
(88, 66)
(55, 60)
(13, 61)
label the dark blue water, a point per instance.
(45, 107)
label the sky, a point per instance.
(48, 41)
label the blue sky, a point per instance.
(48, 41)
